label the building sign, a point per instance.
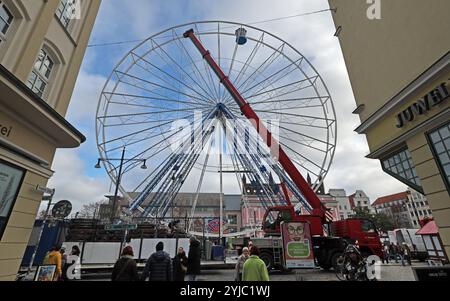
(422, 106)
(5, 131)
(297, 245)
(10, 181)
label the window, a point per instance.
(66, 10)
(440, 143)
(232, 219)
(6, 19)
(10, 182)
(401, 167)
(41, 73)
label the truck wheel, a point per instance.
(334, 260)
(268, 260)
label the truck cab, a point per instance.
(362, 230)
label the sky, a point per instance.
(75, 177)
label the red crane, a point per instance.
(319, 210)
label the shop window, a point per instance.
(440, 143)
(65, 11)
(6, 19)
(40, 76)
(10, 182)
(401, 167)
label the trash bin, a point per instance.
(218, 253)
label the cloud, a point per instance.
(72, 183)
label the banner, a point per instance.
(297, 245)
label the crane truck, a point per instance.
(328, 237)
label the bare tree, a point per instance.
(90, 210)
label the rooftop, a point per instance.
(391, 198)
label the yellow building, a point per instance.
(398, 60)
(42, 44)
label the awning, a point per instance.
(429, 229)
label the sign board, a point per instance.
(62, 209)
(297, 245)
(120, 227)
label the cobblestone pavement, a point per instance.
(389, 272)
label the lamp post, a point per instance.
(119, 176)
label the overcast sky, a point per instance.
(75, 178)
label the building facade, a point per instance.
(345, 209)
(398, 60)
(42, 44)
(395, 206)
(360, 200)
(418, 208)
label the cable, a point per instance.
(253, 23)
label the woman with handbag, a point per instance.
(125, 268)
(180, 263)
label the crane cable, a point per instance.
(253, 23)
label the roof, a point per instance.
(429, 229)
(391, 198)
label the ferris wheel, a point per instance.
(164, 103)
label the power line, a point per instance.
(253, 23)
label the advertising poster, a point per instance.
(10, 179)
(297, 245)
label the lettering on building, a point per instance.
(5, 131)
(422, 106)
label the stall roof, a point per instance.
(429, 229)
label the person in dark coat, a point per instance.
(159, 265)
(125, 268)
(180, 263)
(194, 259)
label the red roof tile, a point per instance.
(391, 198)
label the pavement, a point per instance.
(388, 272)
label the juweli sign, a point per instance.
(422, 106)
(297, 245)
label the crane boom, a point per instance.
(318, 208)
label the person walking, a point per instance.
(194, 259)
(180, 263)
(254, 268)
(386, 254)
(159, 265)
(54, 257)
(125, 268)
(406, 254)
(240, 264)
(400, 253)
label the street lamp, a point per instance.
(119, 176)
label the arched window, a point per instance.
(6, 19)
(40, 75)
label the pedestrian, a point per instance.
(254, 268)
(406, 254)
(386, 253)
(54, 257)
(75, 251)
(240, 264)
(159, 265)
(180, 263)
(194, 259)
(399, 253)
(125, 268)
